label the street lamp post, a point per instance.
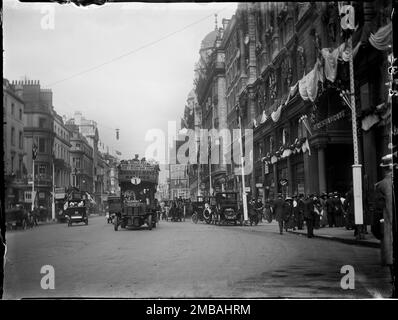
(348, 25)
(245, 213)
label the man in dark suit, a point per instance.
(300, 214)
(330, 210)
(279, 211)
(309, 215)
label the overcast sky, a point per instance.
(138, 92)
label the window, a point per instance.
(42, 122)
(20, 165)
(12, 163)
(42, 145)
(13, 136)
(20, 114)
(78, 145)
(12, 109)
(20, 140)
(42, 169)
(77, 163)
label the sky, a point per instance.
(134, 92)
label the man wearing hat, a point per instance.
(330, 210)
(338, 209)
(300, 215)
(309, 215)
(384, 214)
(279, 211)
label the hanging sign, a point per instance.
(347, 16)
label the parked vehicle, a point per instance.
(203, 209)
(17, 217)
(114, 207)
(76, 208)
(228, 210)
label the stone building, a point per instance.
(89, 129)
(285, 65)
(38, 131)
(62, 167)
(81, 160)
(13, 145)
(210, 91)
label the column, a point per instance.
(289, 176)
(275, 173)
(321, 169)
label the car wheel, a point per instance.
(149, 222)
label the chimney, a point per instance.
(225, 23)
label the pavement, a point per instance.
(342, 235)
(186, 260)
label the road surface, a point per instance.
(184, 260)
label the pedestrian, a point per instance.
(317, 211)
(338, 209)
(289, 214)
(317, 221)
(330, 211)
(324, 217)
(309, 215)
(295, 210)
(348, 207)
(279, 210)
(384, 206)
(300, 216)
(268, 211)
(259, 209)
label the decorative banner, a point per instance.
(330, 120)
(274, 159)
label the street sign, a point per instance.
(247, 189)
(135, 180)
(259, 185)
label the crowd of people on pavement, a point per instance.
(313, 210)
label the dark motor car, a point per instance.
(228, 209)
(17, 217)
(203, 209)
(76, 208)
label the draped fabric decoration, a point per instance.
(292, 93)
(369, 121)
(330, 63)
(306, 147)
(274, 159)
(382, 39)
(264, 117)
(255, 125)
(344, 52)
(304, 120)
(308, 85)
(276, 114)
(286, 153)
